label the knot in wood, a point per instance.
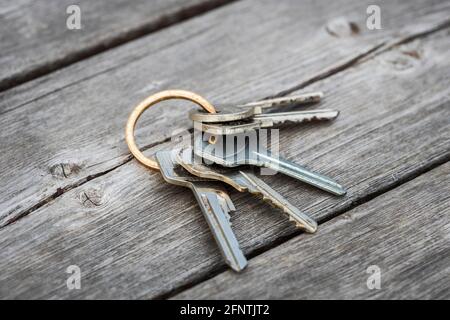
(65, 169)
(400, 61)
(340, 27)
(92, 197)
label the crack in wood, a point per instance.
(279, 241)
(81, 80)
(366, 56)
(60, 191)
(163, 22)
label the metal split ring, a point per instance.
(147, 103)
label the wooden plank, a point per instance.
(404, 233)
(35, 39)
(135, 236)
(61, 130)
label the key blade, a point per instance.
(298, 116)
(267, 120)
(218, 220)
(214, 204)
(299, 172)
(263, 158)
(259, 187)
(285, 101)
(248, 110)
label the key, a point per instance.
(234, 154)
(248, 110)
(244, 180)
(266, 120)
(213, 202)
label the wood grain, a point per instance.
(134, 236)
(404, 232)
(35, 40)
(62, 130)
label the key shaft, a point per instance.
(267, 120)
(248, 110)
(214, 204)
(248, 155)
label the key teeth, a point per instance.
(313, 118)
(297, 224)
(285, 210)
(317, 118)
(270, 201)
(227, 215)
(290, 218)
(303, 227)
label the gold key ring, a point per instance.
(147, 103)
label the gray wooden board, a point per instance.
(34, 38)
(63, 129)
(134, 236)
(404, 234)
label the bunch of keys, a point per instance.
(233, 166)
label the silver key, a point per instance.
(224, 153)
(244, 180)
(213, 202)
(266, 120)
(248, 110)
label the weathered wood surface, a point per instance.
(34, 38)
(63, 129)
(404, 232)
(135, 236)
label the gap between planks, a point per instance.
(181, 15)
(370, 54)
(407, 197)
(362, 58)
(281, 240)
